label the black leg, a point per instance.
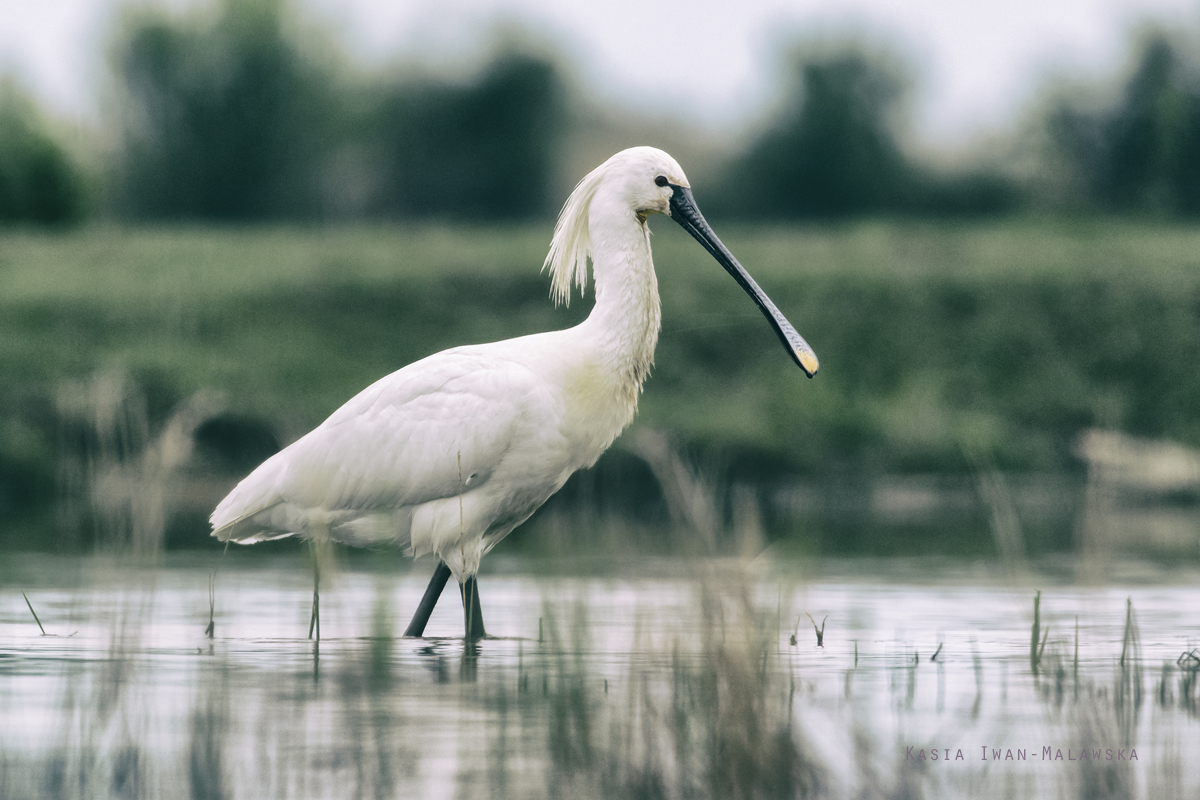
(315, 620)
(432, 592)
(472, 612)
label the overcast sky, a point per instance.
(714, 63)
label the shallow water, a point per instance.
(660, 679)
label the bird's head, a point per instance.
(643, 181)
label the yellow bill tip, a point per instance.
(808, 362)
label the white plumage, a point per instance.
(452, 452)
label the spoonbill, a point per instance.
(451, 453)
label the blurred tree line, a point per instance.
(238, 112)
(241, 118)
(38, 181)
(1139, 153)
(834, 151)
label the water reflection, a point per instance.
(670, 679)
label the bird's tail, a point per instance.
(262, 526)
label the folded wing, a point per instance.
(435, 429)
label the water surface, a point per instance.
(658, 679)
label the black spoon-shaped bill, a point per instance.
(685, 212)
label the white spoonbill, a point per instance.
(451, 453)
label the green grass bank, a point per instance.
(940, 343)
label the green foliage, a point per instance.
(1141, 153)
(237, 118)
(1007, 338)
(230, 114)
(224, 119)
(481, 151)
(236, 111)
(38, 182)
(834, 151)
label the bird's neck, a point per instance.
(625, 321)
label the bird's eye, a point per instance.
(661, 180)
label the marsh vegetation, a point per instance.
(666, 679)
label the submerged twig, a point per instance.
(1075, 667)
(35, 616)
(820, 632)
(1189, 660)
(1035, 634)
(212, 606)
(1129, 639)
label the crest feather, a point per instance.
(572, 243)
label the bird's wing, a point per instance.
(428, 431)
